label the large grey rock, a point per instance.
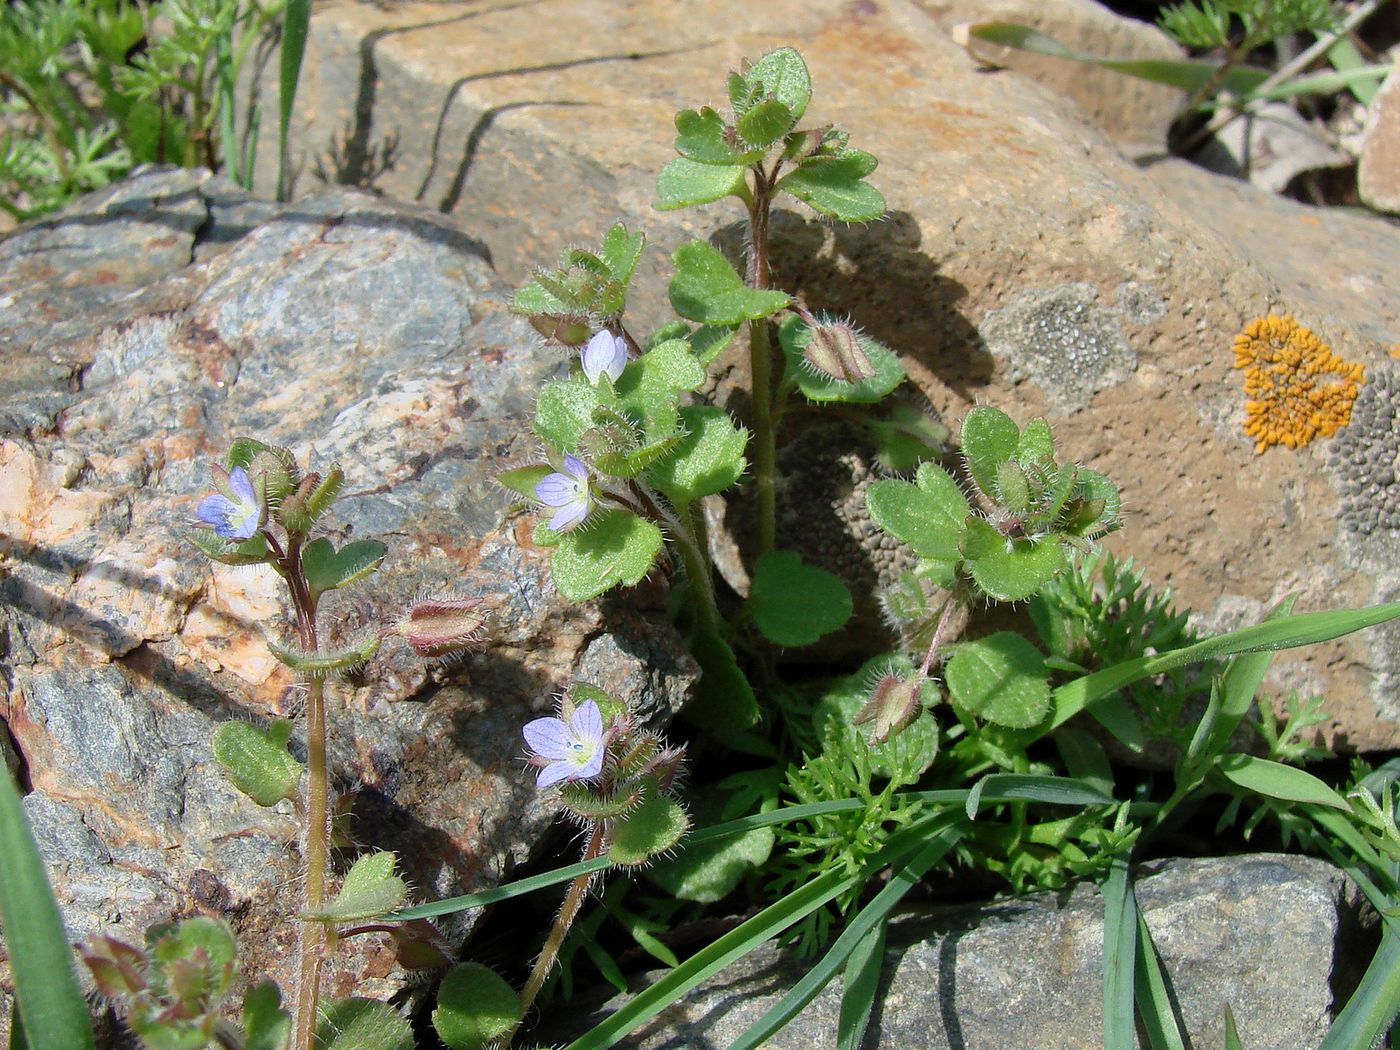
(1266, 935)
(1025, 262)
(144, 329)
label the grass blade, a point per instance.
(46, 988)
(1367, 1015)
(716, 956)
(1286, 633)
(1232, 1036)
(1160, 1018)
(1119, 951)
(862, 985)
(868, 919)
(296, 25)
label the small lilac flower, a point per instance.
(568, 491)
(569, 748)
(605, 353)
(234, 513)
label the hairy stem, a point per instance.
(549, 954)
(761, 369)
(689, 538)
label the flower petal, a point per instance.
(558, 490)
(242, 487)
(587, 725)
(549, 738)
(576, 467)
(554, 773)
(593, 766)
(216, 510)
(570, 515)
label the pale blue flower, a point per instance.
(604, 354)
(235, 512)
(569, 492)
(569, 748)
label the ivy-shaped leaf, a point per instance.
(781, 75)
(818, 386)
(475, 1006)
(835, 186)
(701, 137)
(708, 458)
(795, 604)
(929, 516)
(684, 183)
(613, 547)
(1010, 570)
(266, 1026)
(327, 568)
(362, 1024)
(989, 438)
(257, 761)
(563, 411)
(765, 123)
(371, 889)
(1001, 678)
(707, 289)
(649, 388)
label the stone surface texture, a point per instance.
(1378, 174)
(1266, 934)
(141, 332)
(1016, 233)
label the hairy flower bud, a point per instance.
(893, 706)
(833, 348)
(442, 626)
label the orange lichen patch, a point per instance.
(1298, 389)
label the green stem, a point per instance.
(549, 954)
(761, 369)
(688, 538)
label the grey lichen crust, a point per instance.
(1365, 462)
(1062, 340)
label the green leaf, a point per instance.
(266, 1026)
(764, 124)
(723, 700)
(707, 341)
(1160, 1018)
(1000, 678)
(362, 1024)
(370, 890)
(632, 462)
(327, 568)
(1186, 75)
(296, 24)
(257, 761)
(53, 1011)
(997, 788)
(475, 1006)
(706, 288)
(524, 479)
(1275, 780)
(817, 386)
(1286, 633)
(707, 459)
(1372, 1008)
(860, 988)
(563, 411)
(206, 942)
(252, 551)
(1119, 955)
(649, 388)
(684, 183)
(324, 662)
(1009, 570)
(929, 516)
(781, 75)
(710, 871)
(834, 186)
(621, 251)
(908, 753)
(989, 438)
(1035, 444)
(648, 830)
(701, 137)
(613, 547)
(795, 604)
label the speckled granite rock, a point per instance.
(142, 331)
(1025, 261)
(1273, 936)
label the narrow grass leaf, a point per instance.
(1119, 953)
(861, 986)
(55, 1016)
(1160, 1019)
(716, 956)
(296, 24)
(1232, 1037)
(1368, 1014)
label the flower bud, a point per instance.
(833, 349)
(893, 706)
(569, 330)
(442, 626)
